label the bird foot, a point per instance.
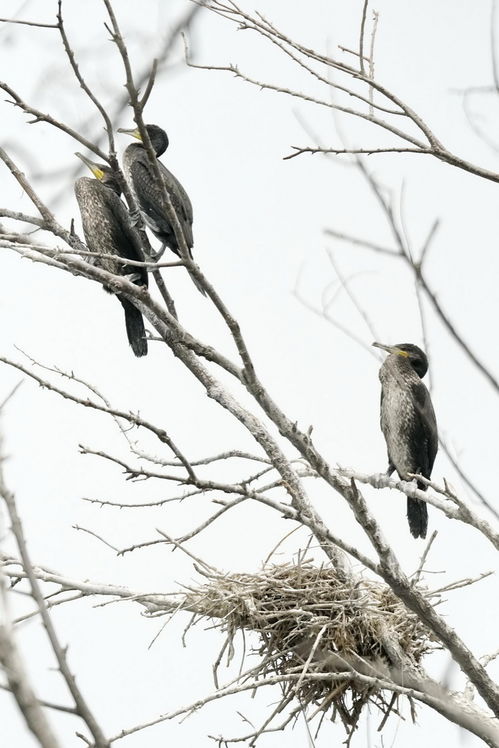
(159, 254)
(135, 217)
(132, 277)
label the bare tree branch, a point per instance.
(454, 508)
(80, 703)
(18, 680)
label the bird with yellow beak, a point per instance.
(408, 423)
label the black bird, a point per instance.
(107, 229)
(148, 193)
(408, 422)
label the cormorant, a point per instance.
(148, 193)
(107, 229)
(408, 422)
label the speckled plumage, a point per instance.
(107, 229)
(409, 425)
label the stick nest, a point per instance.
(315, 628)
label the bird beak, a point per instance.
(384, 347)
(94, 168)
(134, 132)
(391, 349)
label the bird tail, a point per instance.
(134, 327)
(417, 514)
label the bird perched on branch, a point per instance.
(108, 230)
(149, 195)
(408, 423)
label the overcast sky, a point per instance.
(259, 236)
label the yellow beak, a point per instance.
(94, 168)
(391, 349)
(134, 132)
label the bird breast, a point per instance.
(400, 423)
(98, 226)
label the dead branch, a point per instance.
(80, 702)
(18, 681)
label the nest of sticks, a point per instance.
(316, 630)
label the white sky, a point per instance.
(258, 227)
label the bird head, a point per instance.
(102, 172)
(412, 353)
(158, 137)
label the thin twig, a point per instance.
(361, 39)
(36, 24)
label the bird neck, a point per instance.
(113, 186)
(397, 366)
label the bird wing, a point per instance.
(125, 237)
(178, 193)
(150, 198)
(428, 424)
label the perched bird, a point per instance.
(148, 193)
(408, 422)
(107, 229)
